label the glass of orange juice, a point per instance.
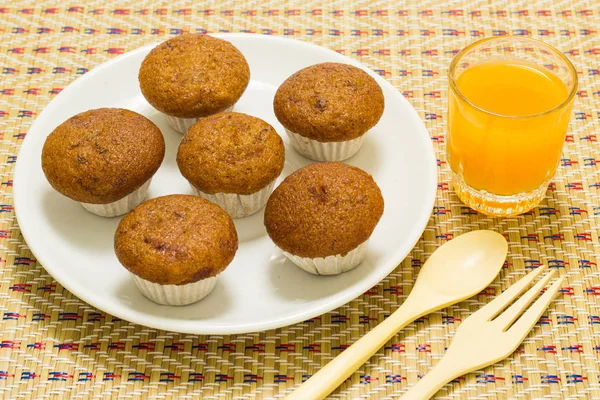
(510, 101)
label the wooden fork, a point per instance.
(490, 334)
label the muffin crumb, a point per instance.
(193, 75)
(176, 240)
(231, 153)
(329, 102)
(323, 209)
(102, 155)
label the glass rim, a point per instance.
(456, 90)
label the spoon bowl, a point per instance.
(463, 266)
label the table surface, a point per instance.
(52, 344)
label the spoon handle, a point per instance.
(340, 368)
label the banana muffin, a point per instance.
(232, 159)
(326, 109)
(104, 159)
(192, 76)
(322, 216)
(175, 247)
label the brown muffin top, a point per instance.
(176, 239)
(193, 75)
(323, 209)
(102, 155)
(329, 102)
(231, 153)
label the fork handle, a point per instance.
(337, 370)
(447, 369)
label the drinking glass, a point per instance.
(503, 156)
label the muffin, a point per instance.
(232, 159)
(175, 247)
(326, 109)
(322, 216)
(192, 76)
(104, 159)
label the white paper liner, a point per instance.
(183, 124)
(325, 151)
(122, 206)
(175, 295)
(239, 205)
(331, 265)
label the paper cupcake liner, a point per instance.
(239, 205)
(325, 151)
(122, 206)
(183, 124)
(331, 265)
(175, 295)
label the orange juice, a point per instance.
(506, 126)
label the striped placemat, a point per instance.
(52, 344)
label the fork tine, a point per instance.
(508, 316)
(523, 326)
(493, 308)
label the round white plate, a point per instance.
(260, 289)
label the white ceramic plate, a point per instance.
(260, 290)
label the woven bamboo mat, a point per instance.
(53, 345)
